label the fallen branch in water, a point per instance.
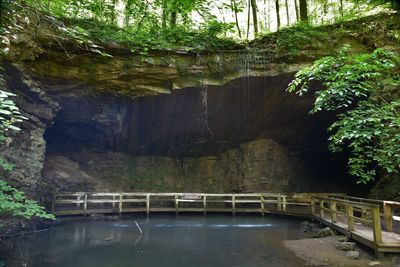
(108, 238)
(17, 234)
(141, 232)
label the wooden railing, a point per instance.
(328, 208)
(84, 203)
(357, 218)
(386, 209)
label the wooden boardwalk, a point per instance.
(370, 222)
(358, 218)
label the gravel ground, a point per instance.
(322, 252)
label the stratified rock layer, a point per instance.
(261, 165)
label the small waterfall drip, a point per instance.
(204, 114)
(204, 101)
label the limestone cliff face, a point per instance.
(247, 135)
(120, 122)
(261, 165)
(26, 149)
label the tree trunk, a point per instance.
(324, 11)
(296, 7)
(341, 8)
(287, 12)
(269, 16)
(164, 14)
(127, 13)
(303, 11)
(255, 20)
(172, 21)
(248, 19)
(114, 12)
(235, 10)
(278, 17)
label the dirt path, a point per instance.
(322, 252)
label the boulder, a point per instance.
(324, 233)
(343, 239)
(346, 246)
(354, 255)
(375, 263)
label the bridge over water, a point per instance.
(368, 221)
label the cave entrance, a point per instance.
(245, 136)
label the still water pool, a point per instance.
(166, 240)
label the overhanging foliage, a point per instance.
(364, 91)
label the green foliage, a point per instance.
(9, 115)
(12, 200)
(15, 202)
(87, 22)
(363, 89)
(291, 41)
(206, 38)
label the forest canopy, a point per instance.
(195, 24)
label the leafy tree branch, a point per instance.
(363, 90)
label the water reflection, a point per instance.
(211, 240)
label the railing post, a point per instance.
(176, 204)
(113, 204)
(363, 213)
(78, 200)
(53, 203)
(388, 216)
(279, 203)
(321, 209)
(147, 204)
(85, 203)
(376, 222)
(333, 211)
(312, 205)
(284, 203)
(350, 217)
(233, 204)
(205, 204)
(120, 202)
(262, 204)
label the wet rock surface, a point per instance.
(354, 255)
(26, 149)
(324, 233)
(346, 246)
(63, 174)
(254, 166)
(247, 136)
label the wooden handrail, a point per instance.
(354, 203)
(386, 208)
(281, 200)
(332, 203)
